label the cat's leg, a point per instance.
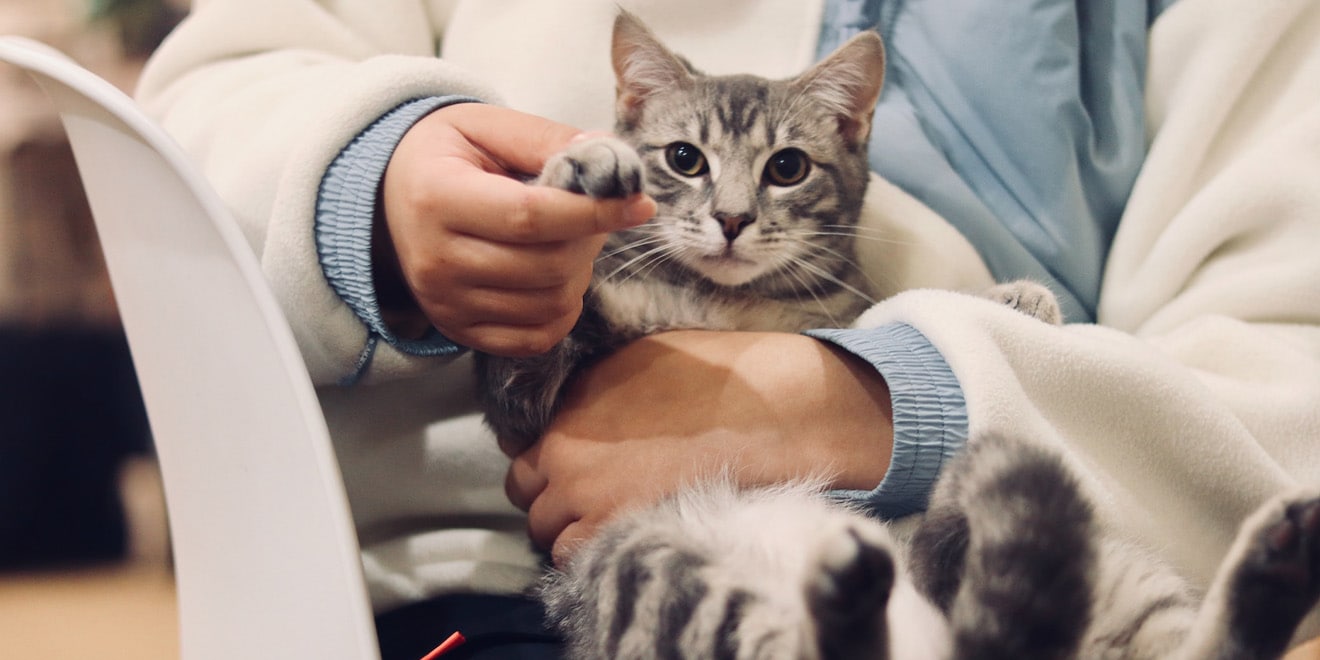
(847, 594)
(719, 573)
(521, 395)
(1142, 609)
(860, 603)
(939, 551)
(1030, 298)
(1266, 586)
(601, 167)
(1010, 524)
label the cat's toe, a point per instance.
(1030, 298)
(601, 167)
(848, 594)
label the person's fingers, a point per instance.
(569, 541)
(517, 141)
(512, 307)
(547, 518)
(512, 341)
(508, 211)
(478, 263)
(523, 482)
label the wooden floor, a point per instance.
(111, 613)
(120, 613)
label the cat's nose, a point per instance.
(733, 224)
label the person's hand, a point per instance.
(492, 263)
(674, 408)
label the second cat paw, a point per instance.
(1030, 298)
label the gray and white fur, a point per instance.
(1009, 562)
(760, 185)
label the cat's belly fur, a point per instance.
(640, 308)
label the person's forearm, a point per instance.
(264, 114)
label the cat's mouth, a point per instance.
(728, 256)
(728, 268)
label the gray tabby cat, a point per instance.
(760, 185)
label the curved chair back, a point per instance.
(266, 560)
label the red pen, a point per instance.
(446, 646)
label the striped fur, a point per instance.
(733, 246)
(1009, 562)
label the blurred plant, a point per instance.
(142, 24)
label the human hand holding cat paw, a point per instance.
(461, 244)
(677, 407)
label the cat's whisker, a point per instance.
(643, 271)
(860, 233)
(854, 230)
(876, 239)
(813, 249)
(818, 248)
(632, 246)
(643, 264)
(792, 272)
(830, 277)
(631, 262)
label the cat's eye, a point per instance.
(686, 159)
(787, 168)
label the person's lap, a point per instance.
(495, 627)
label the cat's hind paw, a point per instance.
(602, 167)
(1030, 298)
(1277, 581)
(848, 593)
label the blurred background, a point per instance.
(84, 560)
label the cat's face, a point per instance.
(753, 177)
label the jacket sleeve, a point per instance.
(1196, 396)
(264, 95)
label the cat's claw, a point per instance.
(602, 167)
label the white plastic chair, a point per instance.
(266, 560)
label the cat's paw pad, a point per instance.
(1288, 548)
(850, 589)
(1277, 580)
(601, 167)
(1030, 298)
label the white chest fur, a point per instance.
(652, 306)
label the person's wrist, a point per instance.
(838, 419)
(811, 409)
(400, 312)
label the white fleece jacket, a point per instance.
(1194, 398)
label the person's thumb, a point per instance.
(518, 141)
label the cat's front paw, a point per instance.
(1030, 298)
(600, 167)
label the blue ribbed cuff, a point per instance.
(930, 413)
(345, 209)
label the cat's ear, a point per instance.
(848, 83)
(642, 66)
